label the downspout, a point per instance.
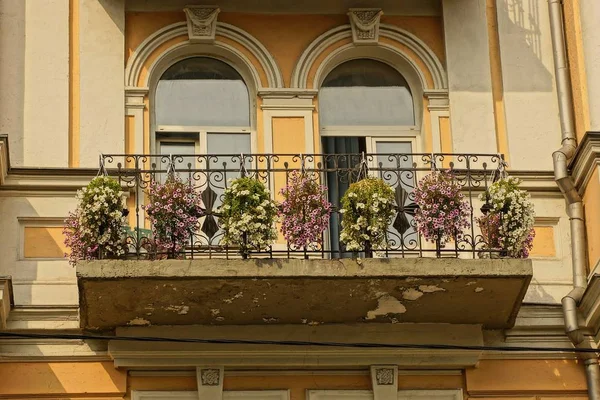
(565, 182)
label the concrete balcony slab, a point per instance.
(119, 293)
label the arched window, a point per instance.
(202, 106)
(366, 92)
(367, 106)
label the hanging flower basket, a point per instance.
(95, 228)
(304, 211)
(507, 227)
(443, 212)
(248, 216)
(173, 210)
(367, 211)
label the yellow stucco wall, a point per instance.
(527, 378)
(43, 242)
(591, 200)
(284, 36)
(544, 242)
(576, 66)
(62, 379)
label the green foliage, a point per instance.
(248, 216)
(367, 210)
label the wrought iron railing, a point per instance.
(211, 174)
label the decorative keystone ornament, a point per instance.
(365, 25)
(202, 23)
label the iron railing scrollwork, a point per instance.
(210, 175)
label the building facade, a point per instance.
(120, 86)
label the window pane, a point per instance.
(365, 92)
(395, 148)
(187, 150)
(230, 144)
(366, 106)
(202, 91)
(179, 148)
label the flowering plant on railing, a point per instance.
(443, 211)
(96, 225)
(508, 225)
(304, 211)
(367, 210)
(173, 210)
(248, 216)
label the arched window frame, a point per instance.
(376, 133)
(180, 53)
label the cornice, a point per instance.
(287, 93)
(585, 160)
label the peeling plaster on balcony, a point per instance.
(386, 306)
(294, 291)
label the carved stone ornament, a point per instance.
(384, 376)
(210, 377)
(365, 25)
(202, 23)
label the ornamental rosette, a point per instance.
(95, 228)
(508, 225)
(304, 211)
(443, 211)
(367, 211)
(173, 210)
(248, 216)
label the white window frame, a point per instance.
(374, 134)
(227, 395)
(202, 132)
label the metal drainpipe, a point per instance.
(565, 182)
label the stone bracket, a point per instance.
(365, 25)
(384, 379)
(210, 382)
(202, 23)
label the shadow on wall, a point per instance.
(41, 276)
(115, 9)
(536, 294)
(62, 379)
(520, 27)
(12, 75)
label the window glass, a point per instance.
(202, 91)
(365, 92)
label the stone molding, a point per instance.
(202, 23)
(6, 300)
(4, 158)
(314, 52)
(438, 99)
(365, 25)
(384, 382)
(210, 382)
(140, 57)
(586, 160)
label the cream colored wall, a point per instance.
(102, 92)
(529, 84)
(469, 80)
(46, 103)
(12, 75)
(39, 281)
(552, 273)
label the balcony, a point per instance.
(209, 283)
